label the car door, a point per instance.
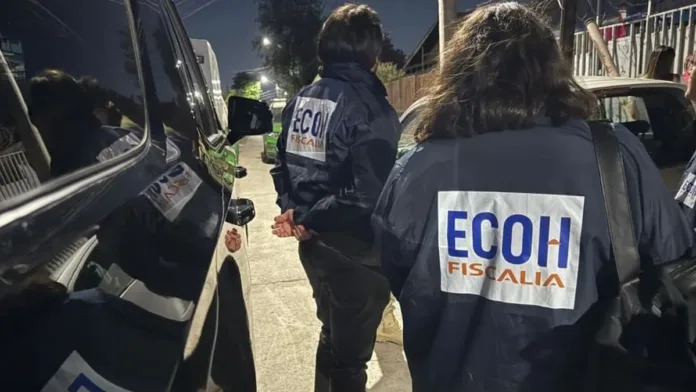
(205, 106)
(233, 279)
(662, 119)
(184, 109)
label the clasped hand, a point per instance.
(284, 226)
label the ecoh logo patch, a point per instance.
(687, 191)
(172, 191)
(75, 375)
(307, 133)
(518, 248)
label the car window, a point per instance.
(72, 63)
(660, 117)
(194, 81)
(174, 106)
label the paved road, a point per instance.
(284, 322)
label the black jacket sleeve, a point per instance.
(279, 173)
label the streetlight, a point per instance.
(264, 79)
(265, 41)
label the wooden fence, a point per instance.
(405, 91)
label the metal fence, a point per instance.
(16, 175)
(632, 41)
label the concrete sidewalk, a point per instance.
(283, 311)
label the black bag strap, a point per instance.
(616, 203)
(625, 249)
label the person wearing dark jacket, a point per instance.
(493, 230)
(335, 151)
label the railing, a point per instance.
(16, 175)
(629, 47)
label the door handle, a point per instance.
(240, 172)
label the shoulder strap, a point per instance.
(616, 203)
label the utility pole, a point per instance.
(447, 14)
(647, 38)
(599, 21)
(569, 10)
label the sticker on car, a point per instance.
(172, 191)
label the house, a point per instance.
(426, 54)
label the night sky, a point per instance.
(230, 25)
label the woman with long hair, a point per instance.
(493, 230)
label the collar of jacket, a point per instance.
(354, 73)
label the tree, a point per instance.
(251, 90)
(386, 72)
(291, 26)
(390, 54)
(241, 79)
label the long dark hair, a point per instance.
(502, 69)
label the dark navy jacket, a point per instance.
(336, 149)
(493, 245)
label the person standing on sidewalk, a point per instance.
(503, 186)
(337, 146)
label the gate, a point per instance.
(631, 42)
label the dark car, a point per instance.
(145, 88)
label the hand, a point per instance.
(283, 224)
(233, 241)
(691, 86)
(301, 233)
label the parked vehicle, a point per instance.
(140, 69)
(47, 64)
(225, 161)
(654, 110)
(268, 154)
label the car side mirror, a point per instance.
(247, 117)
(240, 212)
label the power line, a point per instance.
(197, 9)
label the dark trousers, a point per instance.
(350, 300)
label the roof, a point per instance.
(432, 34)
(592, 83)
(603, 82)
